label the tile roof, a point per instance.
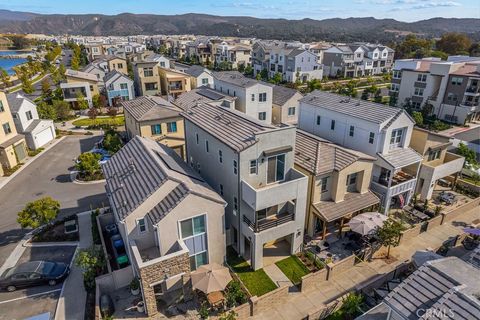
(352, 202)
(320, 156)
(231, 127)
(203, 94)
(168, 203)
(361, 109)
(235, 78)
(81, 75)
(401, 157)
(282, 94)
(444, 284)
(150, 108)
(469, 69)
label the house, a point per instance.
(170, 225)
(451, 87)
(146, 77)
(98, 71)
(440, 289)
(173, 82)
(155, 118)
(191, 98)
(118, 85)
(160, 59)
(200, 76)
(375, 129)
(94, 50)
(254, 98)
(38, 132)
(338, 182)
(250, 164)
(437, 163)
(301, 65)
(79, 83)
(285, 102)
(13, 149)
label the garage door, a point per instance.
(44, 137)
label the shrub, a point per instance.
(234, 294)
(89, 166)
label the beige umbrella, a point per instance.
(210, 277)
(367, 222)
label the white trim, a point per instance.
(266, 171)
(138, 225)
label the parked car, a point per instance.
(34, 273)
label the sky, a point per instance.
(403, 10)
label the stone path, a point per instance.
(277, 276)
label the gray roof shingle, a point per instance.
(401, 157)
(150, 108)
(15, 101)
(196, 70)
(282, 94)
(203, 94)
(235, 78)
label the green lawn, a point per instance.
(257, 282)
(117, 121)
(293, 268)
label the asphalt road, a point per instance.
(472, 135)
(47, 175)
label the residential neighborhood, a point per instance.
(231, 173)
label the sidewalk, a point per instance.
(277, 276)
(71, 304)
(297, 305)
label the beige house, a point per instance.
(285, 104)
(173, 82)
(147, 78)
(338, 183)
(79, 83)
(437, 162)
(170, 225)
(12, 145)
(117, 63)
(154, 117)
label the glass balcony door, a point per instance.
(276, 168)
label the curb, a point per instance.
(73, 177)
(51, 244)
(26, 164)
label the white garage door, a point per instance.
(43, 137)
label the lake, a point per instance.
(8, 64)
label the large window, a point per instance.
(171, 127)
(351, 181)
(150, 86)
(193, 232)
(262, 97)
(276, 168)
(418, 92)
(148, 72)
(396, 138)
(156, 129)
(28, 114)
(291, 111)
(457, 81)
(434, 154)
(332, 125)
(422, 77)
(204, 81)
(123, 86)
(6, 128)
(262, 116)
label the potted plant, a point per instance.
(141, 307)
(135, 287)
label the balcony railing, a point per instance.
(472, 89)
(271, 222)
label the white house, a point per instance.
(38, 132)
(201, 76)
(118, 85)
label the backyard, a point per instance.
(293, 268)
(87, 122)
(257, 282)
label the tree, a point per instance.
(112, 141)
(99, 101)
(20, 41)
(62, 70)
(314, 84)
(38, 212)
(351, 305)
(418, 117)
(112, 112)
(413, 47)
(454, 43)
(248, 70)
(241, 68)
(88, 164)
(46, 111)
(389, 234)
(82, 103)
(5, 78)
(467, 153)
(46, 88)
(63, 109)
(277, 78)
(75, 62)
(27, 85)
(427, 109)
(378, 96)
(92, 262)
(365, 95)
(264, 74)
(92, 113)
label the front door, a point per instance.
(20, 151)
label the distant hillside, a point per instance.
(351, 29)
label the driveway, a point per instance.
(35, 300)
(47, 175)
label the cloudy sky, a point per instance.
(405, 10)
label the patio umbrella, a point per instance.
(210, 277)
(422, 256)
(475, 232)
(366, 222)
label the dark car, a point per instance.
(34, 273)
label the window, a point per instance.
(2, 108)
(120, 65)
(262, 97)
(291, 111)
(235, 167)
(29, 115)
(171, 127)
(194, 235)
(422, 77)
(6, 128)
(452, 97)
(332, 125)
(162, 64)
(156, 129)
(220, 156)
(253, 97)
(206, 146)
(352, 131)
(91, 88)
(395, 87)
(221, 189)
(150, 86)
(235, 206)
(434, 154)
(204, 81)
(262, 116)
(253, 166)
(148, 72)
(123, 86)
(142, 227)
(352, 179)
(418, 92)
(318, 120)
(276, 168)
(324, 185)
(371, 137)
(457, 81)
(196, 137)
(396, 137)
(397, 74)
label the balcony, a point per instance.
(175, 86)
(270, 222)
(264, 196)
(401, 182)
(438, 169)
(472, 91)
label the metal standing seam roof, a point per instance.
(282, 94)
(320, 156)
(150, 108)
(231, 127)
(361, 109)
(352, 202)
(401, 157)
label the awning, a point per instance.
(353, 202)
(275, 151)
(11, 141)
(401, 157)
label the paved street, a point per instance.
(472, 135)
(47, 176)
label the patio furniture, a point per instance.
(210, 277)
(321, 246)
(447, 197)
(216, 299)
(420, 215)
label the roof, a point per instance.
(231, 127)
(15, 101)
(81, 75)
(361, 109)
(352, 202)
(319, 156)
(469, 69)
(235, 78)
(11, 141)
(203, 94)
(282, 94)
(401, 157)
(439, 285)
(150, 108)
(33, 125)
(114, 75)
(140, 168)
(196, 71)
(295, 52)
